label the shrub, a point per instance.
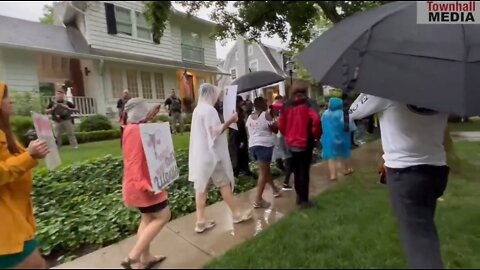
(25, 103)
(162, 118)
(94, 136)
(95, 123)
(20, 126)
(81, 205)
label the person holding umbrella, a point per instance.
(416, 171)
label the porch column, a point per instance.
(281, 89)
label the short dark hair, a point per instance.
(300, 87)
(258, 102)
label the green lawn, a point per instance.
(473, 125)
(353, 226)
(99, 149)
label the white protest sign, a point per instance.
(158, 147)
(230, 103)
(43, 128)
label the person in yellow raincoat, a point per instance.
(18, 248)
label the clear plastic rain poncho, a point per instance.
(208, 142)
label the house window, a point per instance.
(233, 73)
(250, 50)
(159, 89)
(143, 29)
(132, 82)
(253, 66)
(124, 20)
(117, 82)
(146, 85)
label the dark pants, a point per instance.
(121, 136)
(300, 164)
(288, 170)
(414, 192)
(243, 160)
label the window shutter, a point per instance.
(111, 21)
(156, 38)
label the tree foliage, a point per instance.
(252, 19)
(47, 15)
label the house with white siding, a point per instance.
(106, 47)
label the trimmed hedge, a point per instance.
(20, 126)
(95, 123)
(94, 136)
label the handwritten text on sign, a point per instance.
(158, 147)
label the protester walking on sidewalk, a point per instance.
(260, 141)
(416, 171)
(137, 188)
(209, 160)
(335, 140)
(301, 126)
(18, 247)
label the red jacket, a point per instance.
(294, 124)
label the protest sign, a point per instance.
(230, 103)
(158, 147)
(43, 128)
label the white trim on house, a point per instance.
(98, 57)
(250, 50)
(250, 64)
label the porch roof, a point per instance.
(69, 41)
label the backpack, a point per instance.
(176, 106)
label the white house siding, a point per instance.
(179, 24)
(19, 69)
(170, 43)
(98, 37)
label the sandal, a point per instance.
(151, 264)
(350, 171)
(127, 263)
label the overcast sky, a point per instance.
(30, 10)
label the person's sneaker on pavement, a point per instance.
(262, 204)
(286, 187)
(243, 217)
(201, 227)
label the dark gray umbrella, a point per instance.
(255, 80)
(436, 66)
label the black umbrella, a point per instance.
(435, 66)
(256, 79)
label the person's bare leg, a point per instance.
(262, 180)
(269, 180)
(145, 220)
(34, 261)
(149, 232)
(332, 167)
(347, 167)
(228, 198)
(200, 202)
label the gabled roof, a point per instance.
(26, 34)
(22, 34)
(271, 59)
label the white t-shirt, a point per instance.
(259, 133)
(410, 136)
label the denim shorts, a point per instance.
(262, 153)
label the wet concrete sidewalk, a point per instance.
(186, 249)
(473, 136)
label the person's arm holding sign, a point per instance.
(15, 167)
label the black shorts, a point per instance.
(153, 208)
